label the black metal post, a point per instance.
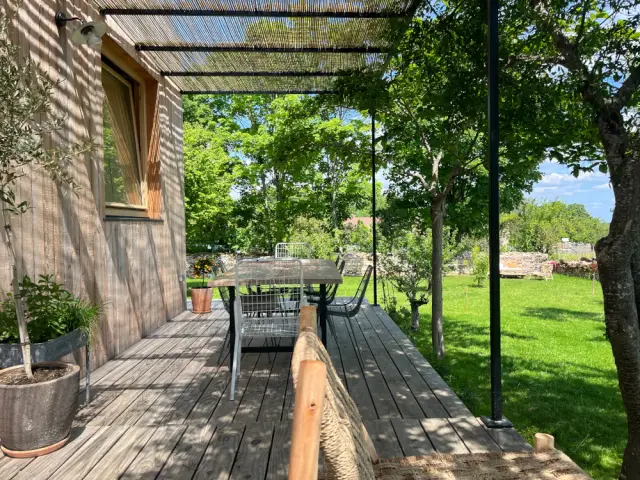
(496, 420)
(373, 206)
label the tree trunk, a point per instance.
(415, 316)
(20, 314)
(618, 257)
(437, 331)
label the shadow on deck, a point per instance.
(161, 409)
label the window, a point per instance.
(123, 172)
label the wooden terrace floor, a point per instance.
(162, 409)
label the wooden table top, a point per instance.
(314, 271)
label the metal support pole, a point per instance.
(496, 420)
(373, 206)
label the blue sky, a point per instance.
(591, 189)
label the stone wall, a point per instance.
(583, 268)
(528, 261)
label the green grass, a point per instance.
(558, 370)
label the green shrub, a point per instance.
(480, 262)
(51, 312)
(316, 233)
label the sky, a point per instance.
(591, 189)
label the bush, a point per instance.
(317, 234)
(480, 262)
(51, 312)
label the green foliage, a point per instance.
(537, 227)
(407, 265)
(51, 312)
(480, 261)
(359, 236)
(317, 234)
(203, 267)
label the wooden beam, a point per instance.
(182, 12)
(307, 415)
(308, 318)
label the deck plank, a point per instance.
(354, 375)
(43, 467)
(443, 436)
(412, 437)
(402, 394)
(249, 407)
(155, 453)
(474, 436)
(253, 454)
(186, 456)
(428, 401)
(446, 396)
(384, 438)
(89, 454)
(220, 454)
(120, 456)
(272, 406)
(279, 461)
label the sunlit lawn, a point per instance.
(558, 370)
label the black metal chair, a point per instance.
(350, 308)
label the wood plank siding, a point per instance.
(133, 266)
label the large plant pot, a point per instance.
(11, 353)
(36, 419)
(201, 299)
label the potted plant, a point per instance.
(57, 323)
(38, 400)
(201, 295)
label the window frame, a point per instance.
(138, 94)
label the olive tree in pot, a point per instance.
(37, 402)
(201, 296)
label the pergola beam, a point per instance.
(182, 12)
(255, 74)
(258, 92)
(251, 48)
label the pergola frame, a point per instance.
(367, 11)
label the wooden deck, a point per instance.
(161, 409)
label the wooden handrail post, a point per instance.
(307, 415)
(308, 318)
(543, 442)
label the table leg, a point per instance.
(232, 326)
(322, 305)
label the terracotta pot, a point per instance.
(201, 299)
(36, 419)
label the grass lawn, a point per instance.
(558, 370)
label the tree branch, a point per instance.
(628, 88)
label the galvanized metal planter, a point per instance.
(11, 353)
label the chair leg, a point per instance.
(332, 327)
(352, 335)
(224, 344)
(235, 370)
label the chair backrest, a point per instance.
(338, 258)
(346, 445)
(224, 296)
(356, 301)
(333, 289)
(293, 250)
(269, 294)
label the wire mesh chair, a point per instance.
(269, 294)
(293, 250)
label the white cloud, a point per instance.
(602, 186)
(563, 178)
(545, 189)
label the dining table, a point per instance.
(319, 272)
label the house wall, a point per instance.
(132, 266)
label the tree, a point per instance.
(480, 262)
(432, 105)
(534, 227)
(587, 56)
(27, 118)
(407, 265)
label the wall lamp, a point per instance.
(88, 33)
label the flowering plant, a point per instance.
(202, 268)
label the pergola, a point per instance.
(290, 46)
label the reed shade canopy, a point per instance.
(262, 46)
